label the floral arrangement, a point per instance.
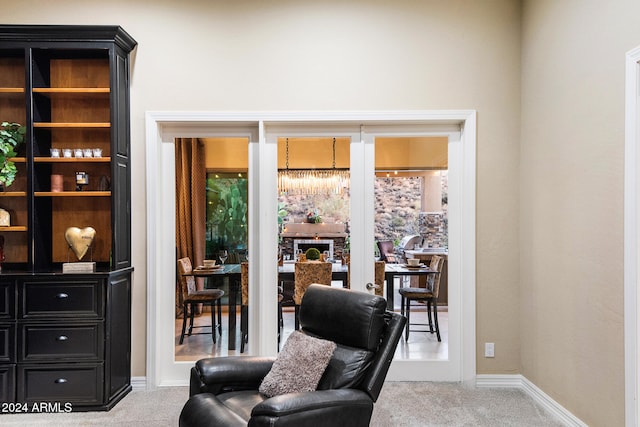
(314, 217)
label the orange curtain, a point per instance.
(191, 177)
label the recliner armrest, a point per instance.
(220, 374)
(334, 407)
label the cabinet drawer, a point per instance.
(7, 300)
(7, 343)
(7, 383)
(77, 299)
(52, 342)
(74, 383)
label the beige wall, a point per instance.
(332, 55)
(549, 209)
(572, 202)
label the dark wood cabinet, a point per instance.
(66, 337)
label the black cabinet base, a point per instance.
(106, 407)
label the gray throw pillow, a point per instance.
(299, 366)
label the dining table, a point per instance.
(286, 272)
(401, 270)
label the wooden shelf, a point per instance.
(13, 193)
(72, 194)
(71, 90)
(72, 159)
(72, 125)
(11, 90)
(63, 159)
(13, 228)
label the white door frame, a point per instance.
(631, 237)
(161, 130)
(460, 305)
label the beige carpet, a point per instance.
(400, 404)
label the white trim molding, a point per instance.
(530, 389)
(631, 237)
(261, 130)
(138, 383)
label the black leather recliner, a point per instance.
(224, 390)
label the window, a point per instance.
(227, 214)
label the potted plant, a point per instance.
(314, 217)
(11, 136)
(312, 254)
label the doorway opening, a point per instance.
(163, 128)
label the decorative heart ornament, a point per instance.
(80, 240)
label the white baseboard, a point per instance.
(520, 382)
(138, 383)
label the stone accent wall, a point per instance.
(397, 205)
(398, 212)
(433, 229)
(334, 208)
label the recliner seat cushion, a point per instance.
(299, 366)
(206, 409)
(241, 402)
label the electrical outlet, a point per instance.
(489, 349)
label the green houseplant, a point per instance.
(227, 214)
(11, 136)
(312, 254)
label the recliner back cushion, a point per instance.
(346, 368)
(346, 317)
(355, 321)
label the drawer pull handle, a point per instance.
(62, 338)
(62, 296)
(60, 381)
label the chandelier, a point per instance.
(313, 181)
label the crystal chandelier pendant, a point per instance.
(313, 181)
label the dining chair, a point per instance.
(305, 274)
(346, 260)
(387, 251)
(244, 308)
(244, 304)
(379, 278)
(427, 295)
(192, 297)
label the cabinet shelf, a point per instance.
(13, 228)
(17, 90)
(72, 90)
(13, 193)
(72, 193)
(72, 159)
(72, 125)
